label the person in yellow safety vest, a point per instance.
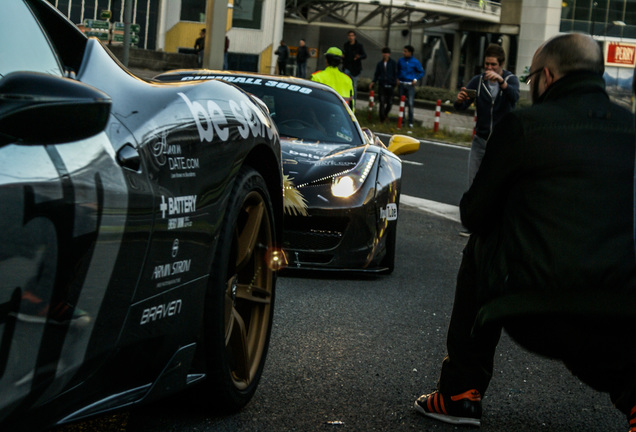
(335, 79)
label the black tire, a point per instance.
(240, 299)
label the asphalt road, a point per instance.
(351, 353)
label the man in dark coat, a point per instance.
(551, 257)
(199, 46)
(283, 54)
(301, 59)
(386, 77)
(353, 52)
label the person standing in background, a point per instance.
(225, 50)
(495, 93)
(283, 54)
(199, 46)
(386, 77)
(353, 55)
(409, 71)
(301, 59)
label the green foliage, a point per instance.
(435, 93)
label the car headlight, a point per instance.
(349, 182)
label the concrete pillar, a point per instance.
(505, 44)
(456, 54)
(215, 22)
(540, 20)
(161, 26)
(277, 35)
(472, 60)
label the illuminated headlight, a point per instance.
(350, 182)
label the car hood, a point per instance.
(309, 163)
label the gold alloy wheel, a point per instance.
(249, 292)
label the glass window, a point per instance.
(23, 46)
(193, 10)
(323, 117)
(247, 14)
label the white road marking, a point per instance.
(446, 211)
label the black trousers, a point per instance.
(600, 352)
(385, 99)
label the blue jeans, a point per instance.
(477, 150)
(354, 79)
(301, 70)
(409, 91)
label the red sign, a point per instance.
(620, 54)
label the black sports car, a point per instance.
(342, 185)
(138, 231)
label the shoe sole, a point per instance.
(467, 421)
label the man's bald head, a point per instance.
(571, 52)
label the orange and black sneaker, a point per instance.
(461, 409)
(632, 419)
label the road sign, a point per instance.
(134, 39)
(101, 35)
(96, 24)
(134, 28)
(105, 15)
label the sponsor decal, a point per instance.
(166, 270)
(171, 155)
(211, 119)
(250, 80)
(318, 156)
(390, 213)
(175, 248)
(180, 207)
(180, 222)
(161, 311)
(335, 163)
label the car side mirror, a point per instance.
(37, 108)
(403, 145)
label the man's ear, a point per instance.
(549, 76)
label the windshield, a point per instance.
(306, 114)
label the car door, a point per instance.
(63, 228)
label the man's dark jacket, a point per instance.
(386, 76)
(349, 51)
(302, 55)
(491, 107)
(552, 203)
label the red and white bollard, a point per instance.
(438, 110)
(371, 100)
(401, 116)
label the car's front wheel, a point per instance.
(240, 300)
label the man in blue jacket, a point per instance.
(409, 71)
